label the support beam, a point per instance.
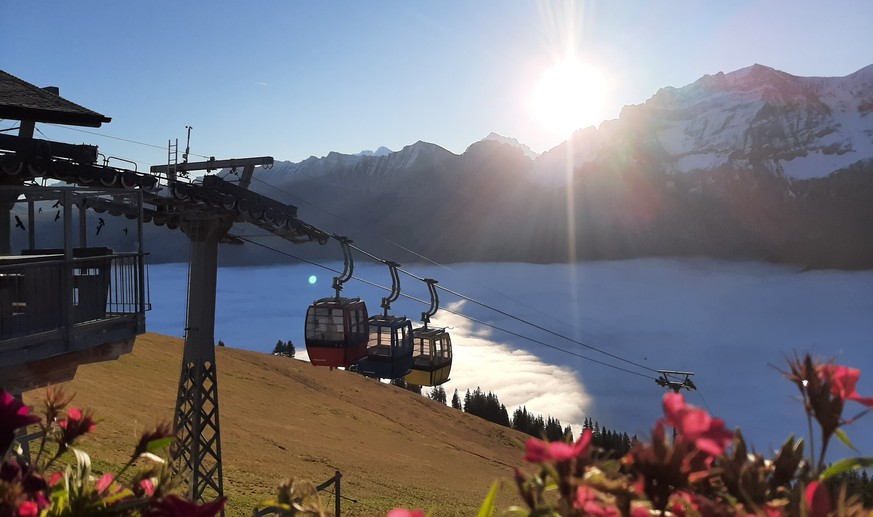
(214, 165)
(27, 146)
(197, 451)
(7, 200)
(246, 179)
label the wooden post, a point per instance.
(337, 495)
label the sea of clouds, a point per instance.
(731, 323)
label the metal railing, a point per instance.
(41, 291)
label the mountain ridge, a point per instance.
(754, 164)
(751, 164)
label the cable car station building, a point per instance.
(65, 303)
(62, 303)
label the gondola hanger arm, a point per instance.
(395, 285)
(348, 264)
(434, 301)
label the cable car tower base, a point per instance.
(197, 451)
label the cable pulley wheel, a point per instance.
(11, 165)
(128, 179)
(180, 191)
(36, 166)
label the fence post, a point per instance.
(336, 498)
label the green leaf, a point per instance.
(845, 465)
(117, 496)
(159, 444)
(845, 439)
(487, 508)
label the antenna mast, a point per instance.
(187, 145)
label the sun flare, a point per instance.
(570, 95)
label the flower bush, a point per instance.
(49, 484)
(705, 470)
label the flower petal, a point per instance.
(818, 499)
(104, 482)
(536, 451)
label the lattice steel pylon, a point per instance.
(197, 450)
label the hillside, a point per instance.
(282, 417)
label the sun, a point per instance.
(570, 95)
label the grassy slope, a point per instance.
(284, 418)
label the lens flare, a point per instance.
(570, 95)
(312, 279)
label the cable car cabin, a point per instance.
(389, 350)
(431, 357)
(336, 331)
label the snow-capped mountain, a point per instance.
(757, 117)
(754, 164)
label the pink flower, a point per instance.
(696, 426)
(27, 509)
(403, 512)
(148, 487)
(13, 415)
(538, 451)
(104, 482)
(75, 425)
(640, 511)
(590, 504)
(818, 499)
(843, 380)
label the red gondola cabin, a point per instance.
(337, 332)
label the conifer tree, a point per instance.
(456, 401)
(438, 394)
(284, 349)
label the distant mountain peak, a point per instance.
(511, 141)
(381, 151)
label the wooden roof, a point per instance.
(20, 100)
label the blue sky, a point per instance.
(292, 79)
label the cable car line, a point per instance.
(516, 318)
(704, 401)
(389, 241)
(544, 329)
(489, 307)
(162, 147)
(482, 304)
(469, 318)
